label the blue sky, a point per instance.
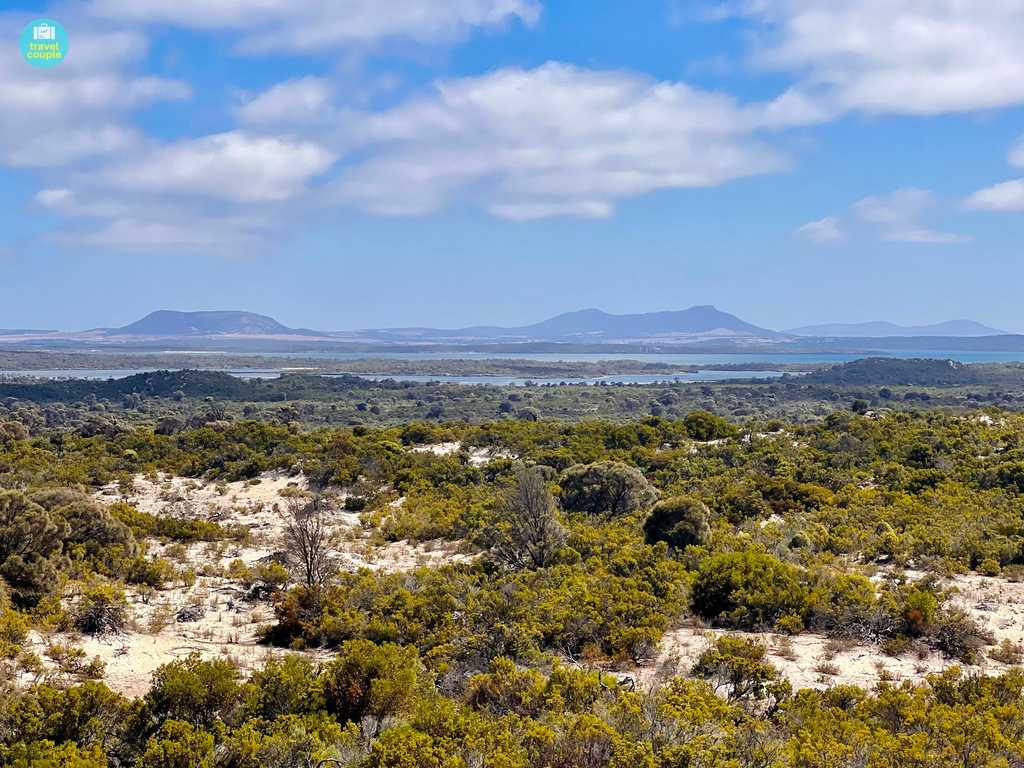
(451, 162)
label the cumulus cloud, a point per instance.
(1017, 154)
(298, 101)
(555, 140)
(234, 166)
(103, 218)
(1005, 197)
(584, 209)
(225, 193)
(77, 110)
(823, 231)
(54, 198)
(195, 233)
(898, 217)
(315, 25)
(923, 57)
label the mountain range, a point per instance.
(699, 328)
(593, 325)
(880, 329)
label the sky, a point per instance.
(355, 163)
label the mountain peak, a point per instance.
(597, 324)
(169, 322)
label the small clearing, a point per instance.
(215, 616)
(811, 660)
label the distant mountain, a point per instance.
(695, 320)
(880, 330)
(166, 322)
(702, 322)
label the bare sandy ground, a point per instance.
(478, 457)
(226, 627)
(225, 623)
(995, 603)
(805, 660)
(257, 506)
(814, 661)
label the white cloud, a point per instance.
(1005, 197)
(297, 101)
(106, 219)
(226, 194)
(1017, 154)
(233, 166)
(57, 116)
(54, 198)
(920, 57)
(313, 25)
(555, 140)
(586, 209)
(195, 233)
(823, 231)
(898, 217)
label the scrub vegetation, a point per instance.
(585, 546)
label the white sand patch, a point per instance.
(227, 628)
(806, 660)
(226, 623)
(815, 661)
(995, 603)
(397, 556)
(247, 503)
(438, 449)
(258, 508)
(478, 457)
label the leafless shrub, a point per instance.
(526, 531)
(307, 538)
(827, 668)
(1007, 652)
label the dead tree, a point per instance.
(307, 539)
(527, 533)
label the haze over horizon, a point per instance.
(502, 162)
(879, 328)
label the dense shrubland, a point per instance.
(592, 541)
(376, 705)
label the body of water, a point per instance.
(267, 373)
(624, 378)
(672, 359)
(737, 359)
(123, 373)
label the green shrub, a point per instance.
(705, 426)
(680, 522)
(101, 609)
(738, 666)
(605, 488)
(31, 539)
(14, 628)
(366, 679)
(749, 589)
(195, 691)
